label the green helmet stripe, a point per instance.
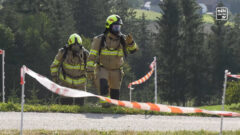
(112, 19)
(72, 38)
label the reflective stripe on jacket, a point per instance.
(72, 66)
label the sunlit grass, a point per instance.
(150, 15)
(215, 107)
(208, 18)
(219, 108)
(88, 108)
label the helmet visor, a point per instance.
(116, 28)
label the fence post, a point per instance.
(223, 99)
(22, 101)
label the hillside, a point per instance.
(152, 16)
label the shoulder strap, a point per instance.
(65, 49)
(103, 39)
(65, 53)
(85, 57)
(123, 43)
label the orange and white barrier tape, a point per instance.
(55, 88)
(68, 92)
(146, 77)
(234, 76)
(1, 51)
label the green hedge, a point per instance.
(6, 107)
(233, 92)
(235, 107)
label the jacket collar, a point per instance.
(112, 36)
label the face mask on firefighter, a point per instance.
(116, 28)
(76, 48)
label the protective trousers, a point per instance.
(72, 101)
(109, 81)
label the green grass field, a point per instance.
(216, 107)
(233, 107)
(95, 132)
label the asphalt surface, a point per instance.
(88, 121)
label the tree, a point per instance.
(62, 25)
(144, 54)
(167, 44)
(31, 6)
(127, 14)
(90, 21)
(193, 58)
(220, 53)
(235, 41)
(6, 37)
(142, 58)
(9, 16)
(31, 29)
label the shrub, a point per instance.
(233, 92)
(5, 107)
(235, 107)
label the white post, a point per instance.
(130, 93)
(223, 99)
(22, 102)
(155, 59)
(3, 77)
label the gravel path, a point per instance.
(68, 121)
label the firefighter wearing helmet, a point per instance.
(69, 67)
(106, 58)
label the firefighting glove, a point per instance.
(90, 75)
(129, 39)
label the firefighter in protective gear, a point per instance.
(106, 57)
(69, 67)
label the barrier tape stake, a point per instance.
(3, 76)
(130, 93)
(145, 78)
(22, 101)
(155, 59)
(223, 99)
